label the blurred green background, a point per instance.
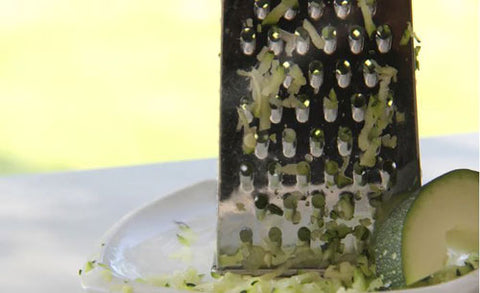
(91, 84)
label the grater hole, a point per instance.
(373, 176)
(343, 73)
(261, 147)
(329, 36)
(290, 203)
(317, 142)
(302, 41)
(276, 109)
(261, 201)
(359, 174)
(359, 103)
(288, 78)
(289, 142)
(389, 109)
(331, 170)
(330, 107)
(246, 235)
(318, 199)
(342, 8)
(388, 174)
(316, 9)
(246, 176)
(275, 43)
(261, 8)
(246, 105)
(248, 40)
(275, 235)
(315, 75)
(344, 141)
(303, 175)
(370, 75)
(304, 235)
(302, 109)
(356, 39)
(291, 13)
(383, 38)
(274, 175)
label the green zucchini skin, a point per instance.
(388, 243)
(389, 233)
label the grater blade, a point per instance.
(318, 128)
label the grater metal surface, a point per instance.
(318, 128)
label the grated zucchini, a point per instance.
(317, 40)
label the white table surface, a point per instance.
(50, 223)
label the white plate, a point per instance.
(142, 244)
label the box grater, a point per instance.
(318, 128)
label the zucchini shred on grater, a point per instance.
(317, 128)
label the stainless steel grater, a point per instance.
(318, 127)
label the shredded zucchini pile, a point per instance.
(344, 277)
(339, 278)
